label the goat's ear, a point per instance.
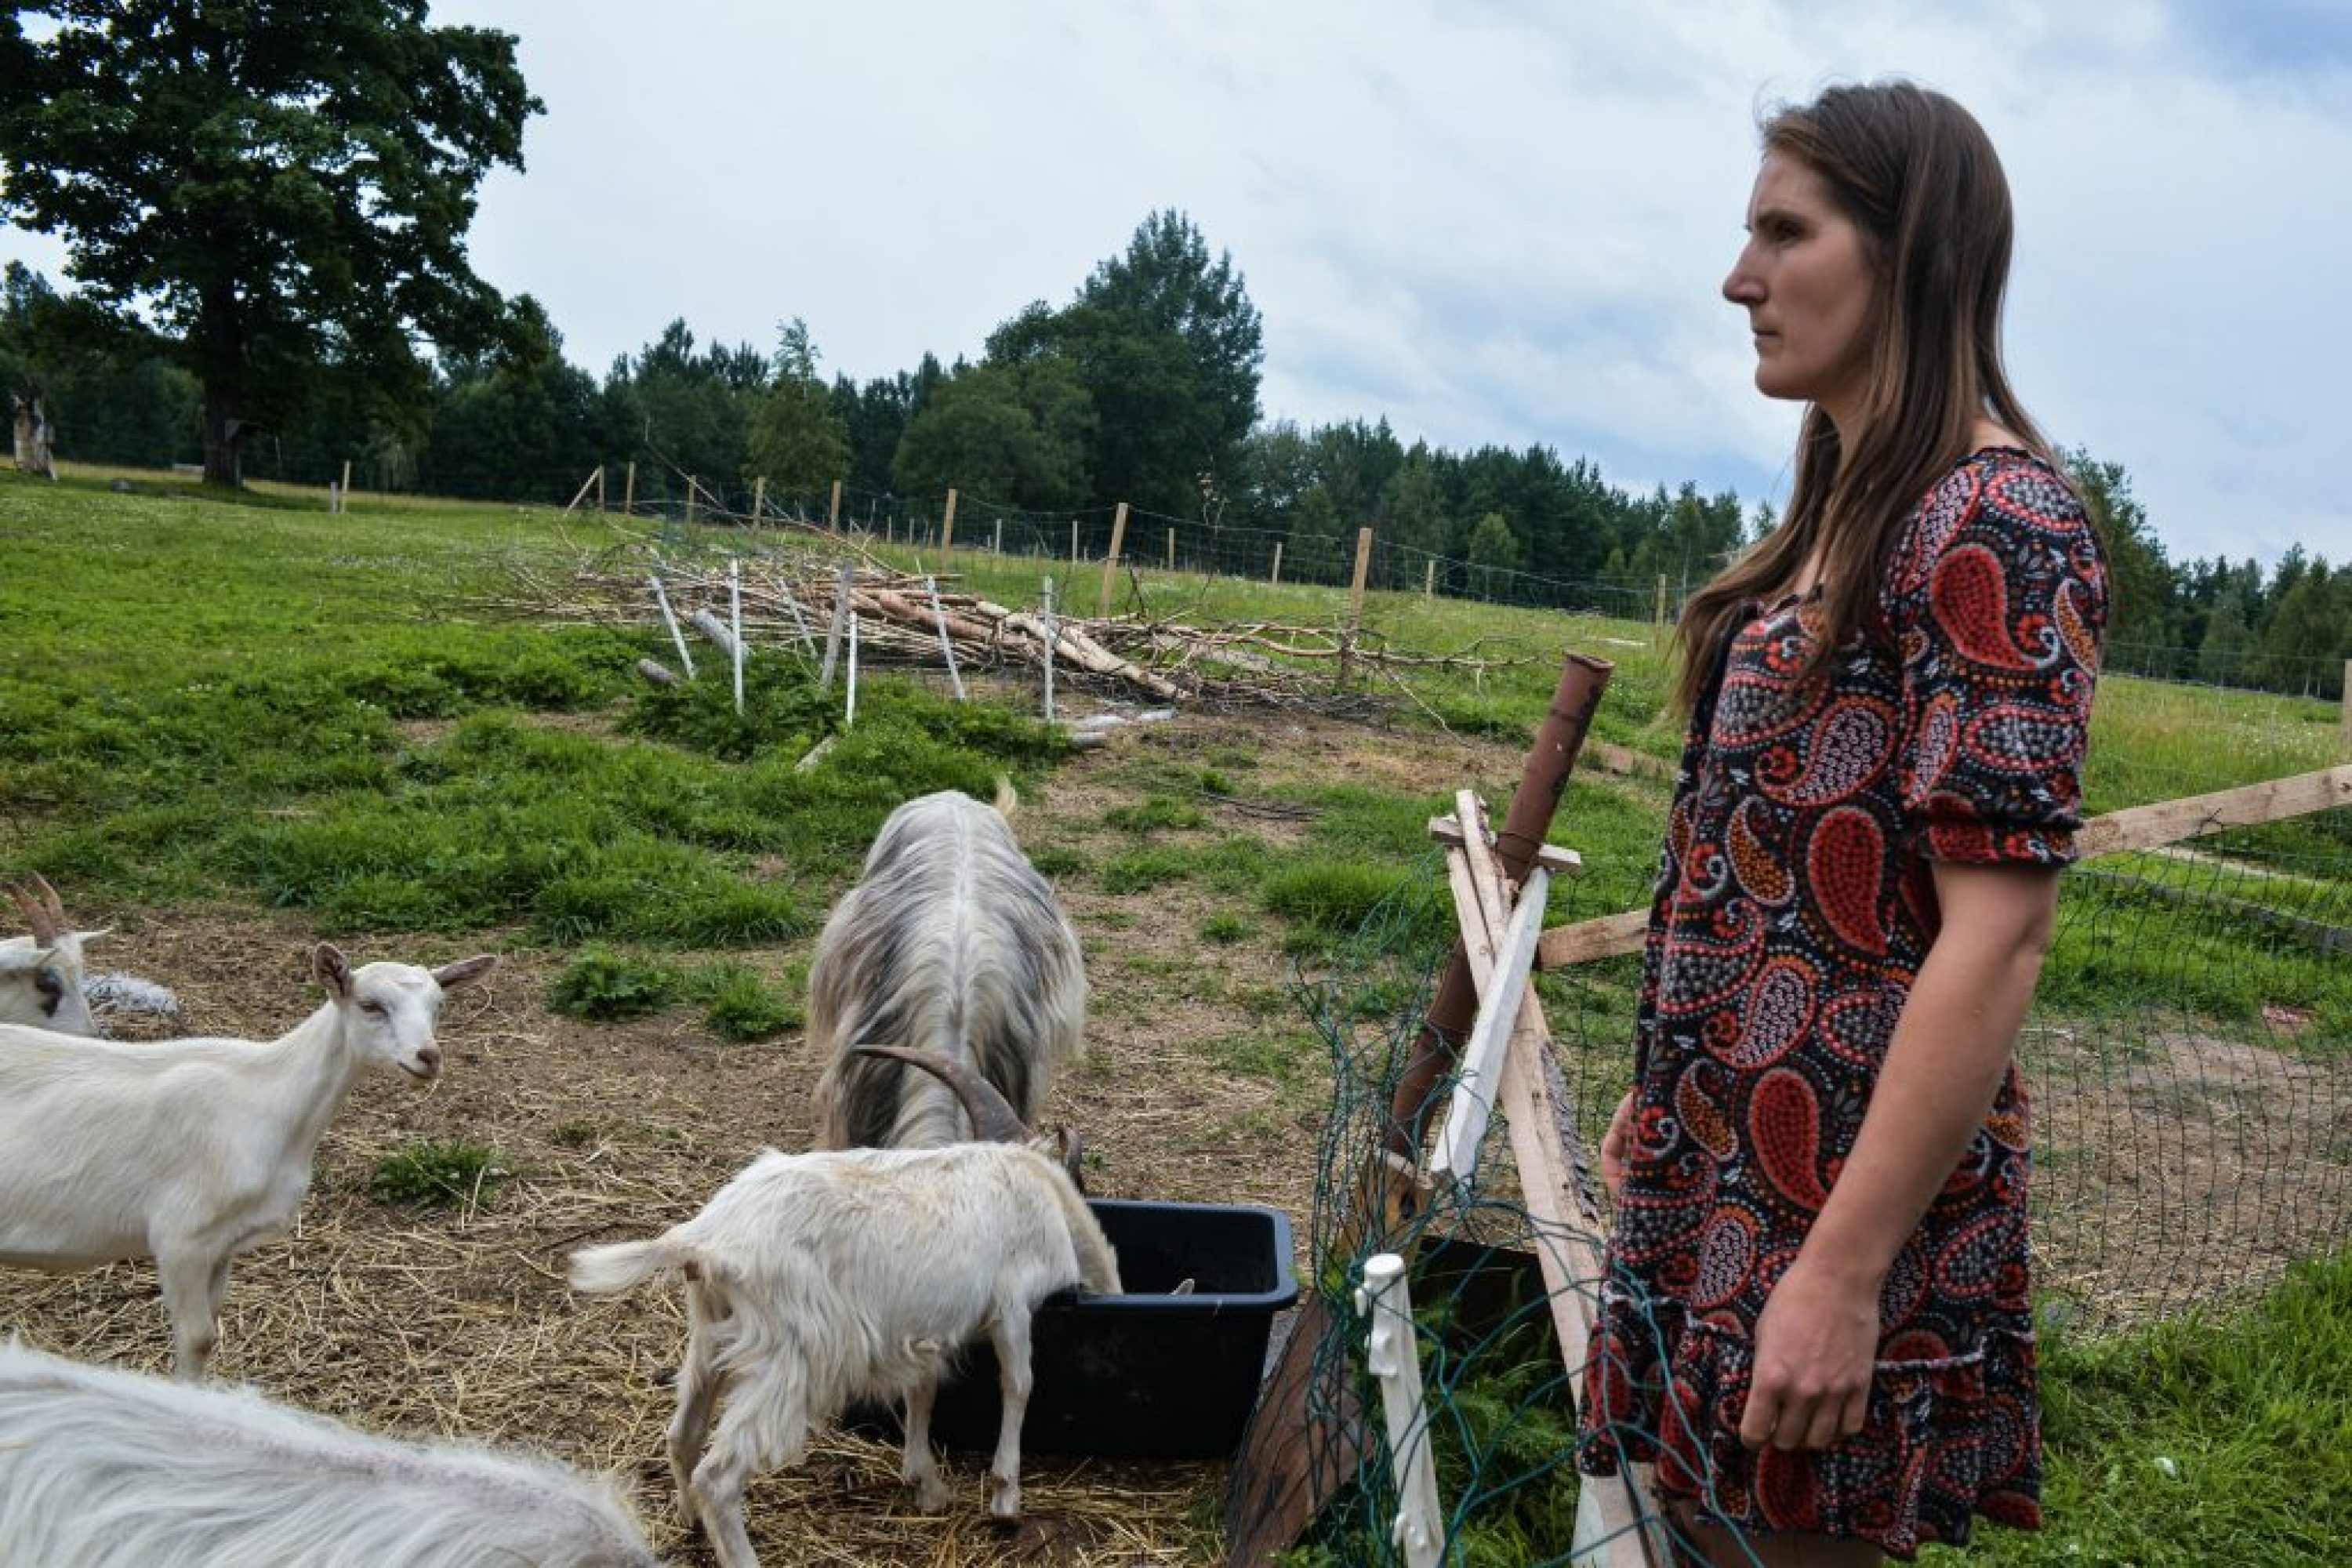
(465, 972)
(333, 969)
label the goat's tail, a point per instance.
(606, 1270)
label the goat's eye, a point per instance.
(51, 985)
(375, 1009)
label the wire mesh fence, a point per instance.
(2189, 1065)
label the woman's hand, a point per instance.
(1816, 1345)
(1617, 1146)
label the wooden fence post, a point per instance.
(1274, 578)
(996, 545)
(629, 488)
(690, 505)
(594, 481)
(600, 490)
(1356, 601)
(347, 485)
(759, 499)
(1171, 549)
(1110, 561)
(832, 513)
(1658, 615)
(947, 531)
(1428, 580)
(2344, 732)
(1074, 541)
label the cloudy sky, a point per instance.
(1487, 220)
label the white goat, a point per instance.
(41, 975)
(949, 943)
(813, 1279)
(102, 1468)
(190, 1151)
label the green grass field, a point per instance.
(253, 703)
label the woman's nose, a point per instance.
(1741, 286)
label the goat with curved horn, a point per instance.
(992, 1117)
(44, 911)
(993, 1120)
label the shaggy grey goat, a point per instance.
(952, 944)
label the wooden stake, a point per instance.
(947, 531)
(629, 489)
(1429, 579)
(1274, 578)
(347, 483)
(1354, 602)
(671, 621)
(600, 490)
(996, 545)
(1172, 555)
(1074, 541)
(1658, 615)
(947, 643)
(759, 499)
(689, 503)
(1110, 561)
(594, 481)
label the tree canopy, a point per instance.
(283, 191)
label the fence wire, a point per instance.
(2189, 1064)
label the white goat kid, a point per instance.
(102, 1468)
(42, 975)
(813, 1279)
(192, 1151)
(950, 943)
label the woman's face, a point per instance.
(1804, 279)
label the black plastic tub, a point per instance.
(1148, 1375)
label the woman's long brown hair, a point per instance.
(1919, 178)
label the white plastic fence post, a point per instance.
(735, 625)
(1052, 635)
(1456, 1160)
(849, 712)
(840, 616)
(1392, 1355)
(947, 645)
(671, 621)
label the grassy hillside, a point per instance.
(252, 717)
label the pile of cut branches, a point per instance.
(801, 599)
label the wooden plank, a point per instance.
(1568, 1250)
(1456, 1160)
(2169, 821)
(2134, 827)
(1607, 937)
(1552, 857)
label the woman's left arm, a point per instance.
(1817, 1339)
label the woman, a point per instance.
(1817, 1321)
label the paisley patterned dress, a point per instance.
(1793, 907)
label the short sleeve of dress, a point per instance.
(1998, 603)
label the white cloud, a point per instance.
(1489, 221)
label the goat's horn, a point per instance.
(56, 905)
(993, 1120)
(47, 927)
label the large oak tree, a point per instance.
(281, 188)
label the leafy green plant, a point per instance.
(602, 984)
(436, 1174)
(739, 1005)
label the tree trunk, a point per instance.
(224, 436)
(222, 371)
